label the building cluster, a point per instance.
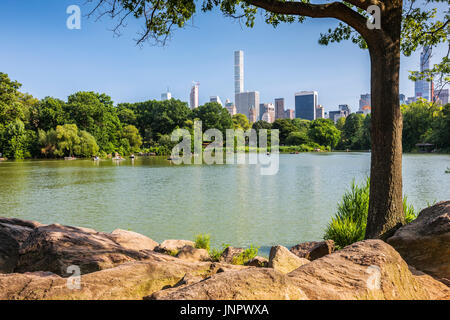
(306, 102)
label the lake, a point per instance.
(233, 203)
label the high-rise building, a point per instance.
(238, 71)
(166, 96)
(402, 98)
(230, 107)
(320, 111)
(215, 99)
(305, 105)
(247, 100)
(279, 108)
(289, 114)
(364, 100)
(442, 96)
(345, 109)
(194, 95)
(267, 112)
(252, 114)
(423, 88)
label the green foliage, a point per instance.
(240, 121)
(349, 223)
(215, 254)
(247, 255)
(297, 138)
(67, 141)
(323, 131)
(202, 241)
(213, 116)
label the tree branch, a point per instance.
(337, 10)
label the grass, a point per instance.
(217, 253)
(202, 241)
(247, 255)
(349, 223)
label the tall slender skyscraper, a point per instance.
(279, 108)
(238, 71)
(422, 88)
(194, 95)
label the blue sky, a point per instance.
(49, 60)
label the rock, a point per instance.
(190, 253)
(229, 253)
(173, 246)
(55, 247)
(259, 262)
(369, 269)
(283, 260)
(313, 250)
(132, 240)
(13, 232)
(425, 242)
(132, 280)
(247, 284)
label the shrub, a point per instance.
(246, 255)
(349, 223)
(217, 253)
(202, 241)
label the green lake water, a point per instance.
(233, 203)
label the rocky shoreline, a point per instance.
(34, 260)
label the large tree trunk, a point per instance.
(385, 205)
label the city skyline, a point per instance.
(92, 59)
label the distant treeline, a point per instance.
(89, 124)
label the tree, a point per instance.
(213, 116)
(94, 113)
(324, 132)
(134, 139)
(50, 113)
(261, 124)
(352, 126)
(240, 121)
(297, 138)
(384, 44)
(286, 126)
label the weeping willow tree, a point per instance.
(394, 27)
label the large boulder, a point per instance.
(247, 284)
(190, 253)
(283, 260)
(55, 247)
(369, 269)
(425, 242)
(173, 246)
(259, 262)
(229, 254)
(313, 250)
(132, 280)
(13, 233)
(133, 240)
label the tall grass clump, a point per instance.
(247, 255)
(349, 223)
(202, 241)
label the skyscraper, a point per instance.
(230, 107)
(267, 112)
(238, 71)
(244, 100)
(442, 96)
(422, 88)
(279, 108)
(247, 100)
(194, 95)
(320, 111)
(364, 101)
(305, 104)
(289, 114)
(166, 96)
(215, 99)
